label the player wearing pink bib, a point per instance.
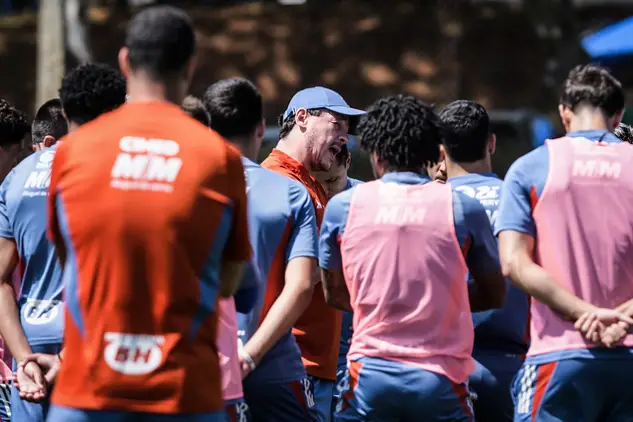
(396, 252)
(566, 238)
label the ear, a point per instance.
(49, 141)
(301, 117)
(565, 116)
(348, 160)
(492, 143)
(65, 116)
(442, 153)
(191, 68)
(124, 64)
(260, 129)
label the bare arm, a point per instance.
(10, 325)
(516, 252)
(335, 289)
(289, 306)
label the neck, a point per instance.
(142, 89)
(292, 147)
(245, 147)
(589, 119)
(73, 126)
(482, 166)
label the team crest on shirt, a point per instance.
(146, 164)
(133, 354)
(40, 312)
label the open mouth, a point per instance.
(335, 149)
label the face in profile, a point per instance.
(326, 134)
(437, 171)
(335, 179)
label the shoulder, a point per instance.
(353, 182)
(466, 204)
(340, 202)
(526, 164)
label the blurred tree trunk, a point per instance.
(50, 50)
(451, 19)
(77, 30)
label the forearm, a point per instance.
(10, 325)
(281, 317)
(535, 281)
(337, 298)
(626, 308)
(230, 278)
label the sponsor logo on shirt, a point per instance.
(146, 164)
(40, 312)
(133, 354)
(39, 180)
(488, 197)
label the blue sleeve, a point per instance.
(332, 229)
(475, 234)
(523, 183)
(304, 236)
(6, 229)
(246, 296)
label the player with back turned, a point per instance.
(283, 235)
(396, 252)
(500, 334)
(566, 238)
(165, 235)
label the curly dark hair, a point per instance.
(403, 131)
(14, 126)
(89, 90)
(594, 86)
(195, 108)
(624, 132)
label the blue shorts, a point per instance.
(237, 411)
(382, 390)
(490, 384)
(287, 402)
(67, 414)
(5, 402)
(323, 395)
(574, 390)
(23, 411)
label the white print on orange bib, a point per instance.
(133, 354)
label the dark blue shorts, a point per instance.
(67, 414)
(382, 390)
(574, 390)
(282, 402)
(491, 383)
(237, 411)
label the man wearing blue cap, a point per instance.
(314, 128)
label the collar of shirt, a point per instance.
(295, 167)
(474, 176)
(405, 178)
(595, 135)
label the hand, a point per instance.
(38, 146)
(604, 326)
(30, 382)
(248, 361)
(49, 363)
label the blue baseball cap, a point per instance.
(321, 97)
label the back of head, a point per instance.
(466, 127)
(402, 131)
(14, 125)
(195, 108)
(49, 121)
(90, 90)
(160, 41)
(624, 132)
(592, 86)
(235, 106)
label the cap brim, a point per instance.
(353, 114)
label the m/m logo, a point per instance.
(146, 164)
(39, 180)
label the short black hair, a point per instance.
(624, 132)
(14, 126)
(592, 85)
(466, 127)
(195, 108)
(49, 121)
(89, 90)
(235, 106)
(403, 131)
(160, 41)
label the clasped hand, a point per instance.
(604, 327)
(35, 375)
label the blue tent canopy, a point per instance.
(610, 42)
